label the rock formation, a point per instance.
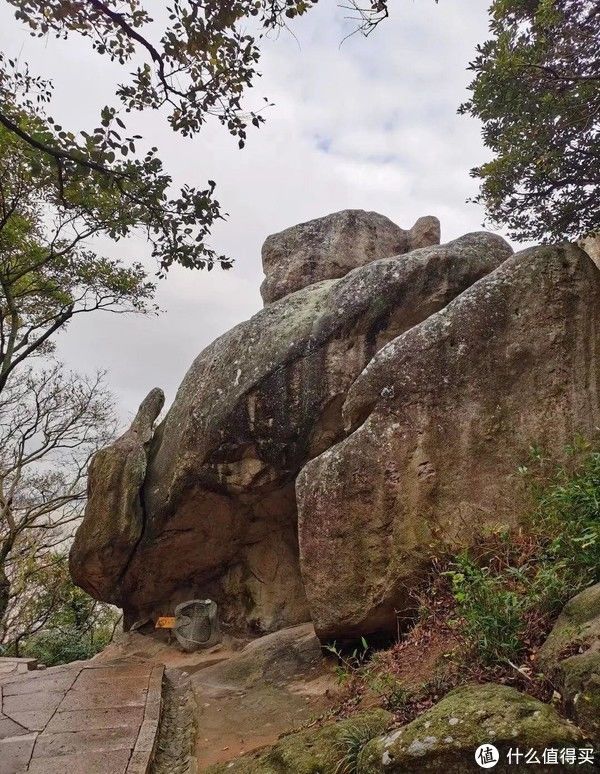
(446, 737)
(330, 247)
(442, 417)
(114, 517)
(591, 245)
(443, 738)
(218, 495)
(570, 657)
(393, 404)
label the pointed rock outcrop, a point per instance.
(114, 517)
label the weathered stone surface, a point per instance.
(113, 516)
(442, 417)
(273, 659)
(219, 500)
(445, 737)
(316, 750)
(277, 684)
(571, 658)
(424, 233)
(330, 247)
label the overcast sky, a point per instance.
(370, 124)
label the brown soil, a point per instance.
(244, 697)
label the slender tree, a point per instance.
(48, 274)
(51, 422)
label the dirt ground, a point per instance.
(234, 698)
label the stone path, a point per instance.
(84, 718)
(243, 695)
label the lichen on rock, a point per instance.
(445, 737)
(571, 658)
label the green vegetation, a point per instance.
(537, 92)
(483, 614)
(48, 274)
(194, 66)
(352, 740)
(54, 620)
(360, 669)
(510, 589)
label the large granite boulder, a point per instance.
(218, 496)
(114, 517)
(439, 421)
(447, 736)
(570, 657)
(330, 247)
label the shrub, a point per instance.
(509, 589)
(491, 611)
(54, 620)
(55, 646)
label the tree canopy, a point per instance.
(537, 91)
(197, 68)
(48, 273)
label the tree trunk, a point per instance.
(4, 594)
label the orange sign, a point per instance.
(165, 622)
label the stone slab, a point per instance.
(84, 718)
(148, 733)
(97, 740)
(15, 752)
(111, 717)
(48, 680)
(113, 762)
(26, 702)
(9, 728)
(9, 665)
(33, 720)
(128, 693)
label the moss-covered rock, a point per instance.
(445, 738)
(578, 624)
(580, 683)
(577, 674)
(314, 751)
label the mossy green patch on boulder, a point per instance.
(445, 738)
(577, 674)
(580, 684)
(314, 751)
(579, 623)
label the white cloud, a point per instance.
(371, 124)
